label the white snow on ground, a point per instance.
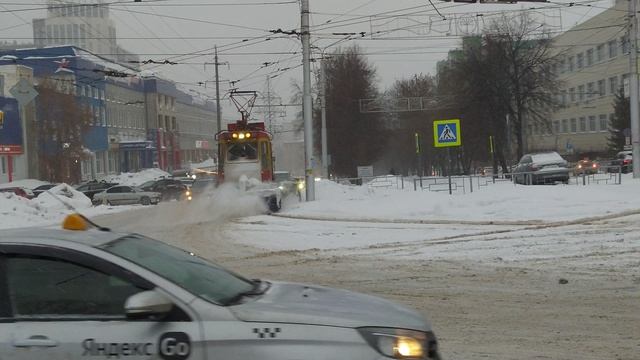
(48, 208)
(499, 223)
(138, 178)
(500, 202)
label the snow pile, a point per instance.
(65, 196)
(500, 202)
(137, 178)
(47, 209)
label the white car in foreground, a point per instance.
(83, 293)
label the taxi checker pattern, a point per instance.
(266, 332)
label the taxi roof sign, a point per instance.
(75, 222)
(447, 133)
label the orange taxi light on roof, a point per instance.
(75, 222)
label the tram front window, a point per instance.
(243, 151)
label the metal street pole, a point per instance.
(323, 97)
(633, 86)
(306, 103)
(218, 109)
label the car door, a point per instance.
(113, 195)
(68, 305)
(128, 195)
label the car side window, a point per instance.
(49, 287)
(114, 190)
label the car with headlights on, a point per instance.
(126, 195)
(586, 167)
(86, 292)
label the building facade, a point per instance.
(135, 122)
(82, 23)
(593, 68)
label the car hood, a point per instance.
(317, 305)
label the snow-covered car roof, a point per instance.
(547, 157)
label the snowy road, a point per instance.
(491, 291)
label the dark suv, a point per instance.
(169, 188)
(94, 187)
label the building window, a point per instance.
(589, 57)
(600, 53)
(590, 90)
(99, 168)
(563, 66)
(580, 61)
(572, 94)
(624, 44)
(601, 87)
(604, 124)
(592, 123)
(574, 125)
(571, 62)
(565, 126)
(613, 49)
(556, 126)
(4, 169)
(563, 97)
(581, 92)
(613, 85)
(160, 118)
(583, 124)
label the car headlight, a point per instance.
(400, 343)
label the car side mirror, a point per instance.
(147, 303)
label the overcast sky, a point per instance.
(401, 37)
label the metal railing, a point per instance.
(383, 181)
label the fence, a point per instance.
(385, 181)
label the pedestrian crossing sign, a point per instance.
(446, 133)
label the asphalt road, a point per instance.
(510, 292)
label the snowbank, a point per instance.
(47, 209)
(500, 202)
(137, 178)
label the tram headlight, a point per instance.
(247, 135)
(234, 135)
(241, 136)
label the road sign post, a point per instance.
(447, 133)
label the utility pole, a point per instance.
(218, 110)
(323, 100)
(633, 85)
(306, 103)
(269, 114)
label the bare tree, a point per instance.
(61, 124)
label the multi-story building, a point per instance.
(82, 23)
(135, 122)
(593, 67)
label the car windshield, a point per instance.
(146, 184)
(196, 275)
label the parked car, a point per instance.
(94, 187)
(42, 188)
(168, 188)
(586, 167)
(541, 168)
(25, 193)
(622, 161)
(124, 195)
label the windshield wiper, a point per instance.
(259, 288)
